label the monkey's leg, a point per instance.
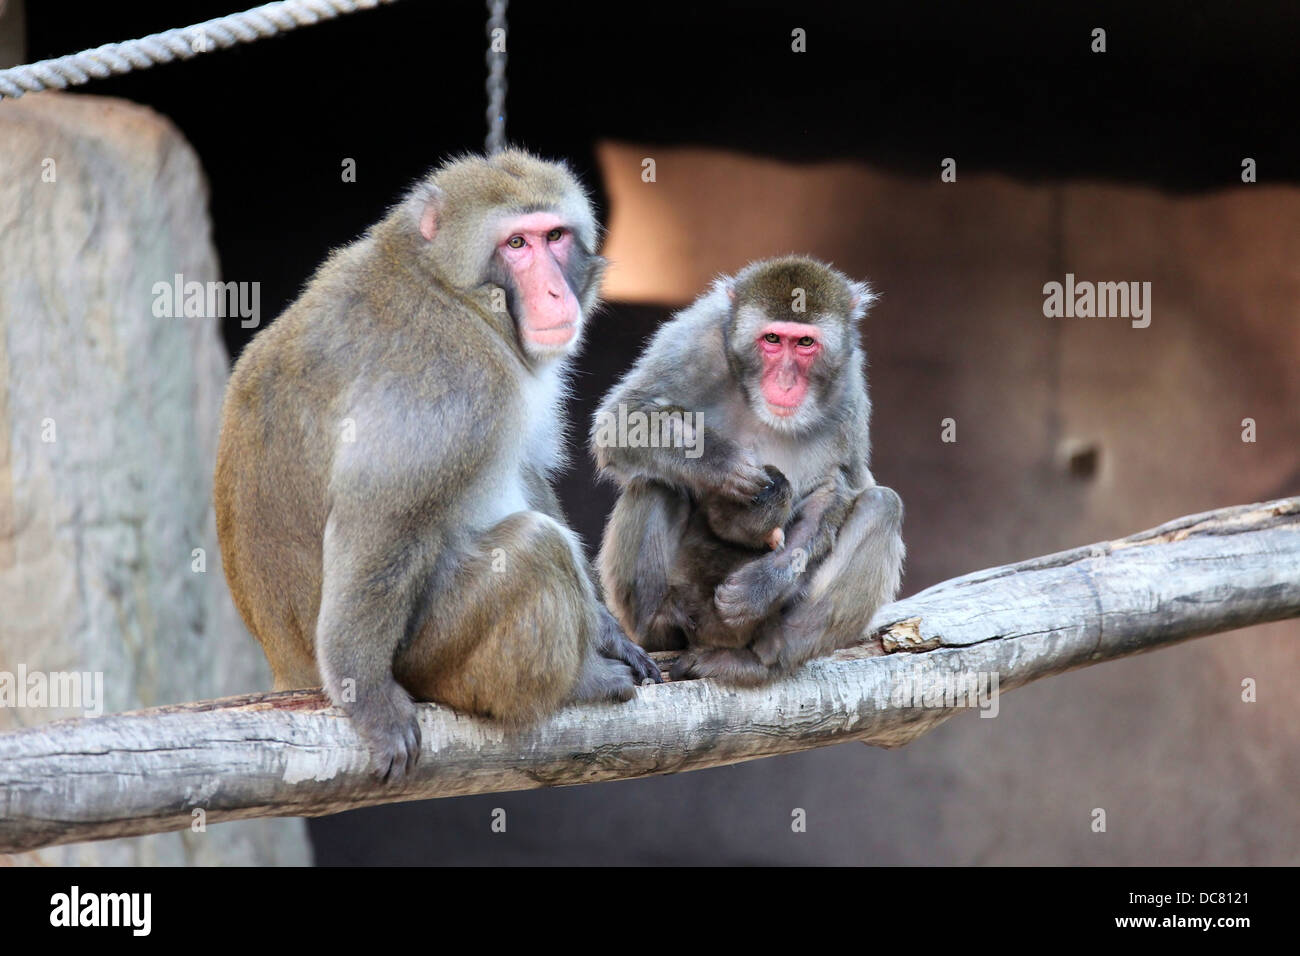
(612, 641)
(636, 555)
(860, 575)
(514, 631)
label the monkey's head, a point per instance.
(793, 336)
(758, 524)
(518, 234)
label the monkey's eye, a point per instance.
(772, 337)
(806, 342)
(516, 242)
(555, 235)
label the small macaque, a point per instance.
(769, 365)
(721, 535)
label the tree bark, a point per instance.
(291, 754)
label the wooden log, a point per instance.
(291, 754)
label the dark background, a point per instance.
(1184, 91)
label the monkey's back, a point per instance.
(270, 496)
(285, 417)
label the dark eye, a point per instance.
(806, 341)
(772, 337)
(555, 235)
(516, 242)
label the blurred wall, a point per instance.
(12, 33)
(1069, 430)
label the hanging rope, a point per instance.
(496, 81)
(182, 44)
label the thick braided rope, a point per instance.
(182, 43)
(496, 81)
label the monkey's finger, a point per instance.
(684, 667)
(643, 666)
(413, 744)
(743, 489)
(621, 686)
(401, 757)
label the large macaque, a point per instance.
(761, 376)
(383, 490)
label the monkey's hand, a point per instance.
(744, 478)
(385, 719)
(750, 593)
(614, 644)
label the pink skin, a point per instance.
(551, 312)
(786, 364)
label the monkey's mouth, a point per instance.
(558, 334)
(782, 411)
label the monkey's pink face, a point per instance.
(536, 249)
(788, 350)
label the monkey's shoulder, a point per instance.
(689, 350)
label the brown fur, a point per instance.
(721, 536)
(378, 567)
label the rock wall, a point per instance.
(108, 423)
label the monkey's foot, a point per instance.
(732, 665)
(604, 679)
(642, 664)
(386, 720)
(615, 645)
(749, 594)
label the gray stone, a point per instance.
(98, 527)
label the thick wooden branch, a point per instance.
(291, 754)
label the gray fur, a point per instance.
(843, 550)
(428, 555)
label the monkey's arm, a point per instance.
(382, 545)
(369, 591)
(662, 421)
(613, 643)
(637, 435)
(818, 521)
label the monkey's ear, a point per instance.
(730, 288)
(860, 298)
(426, 204)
